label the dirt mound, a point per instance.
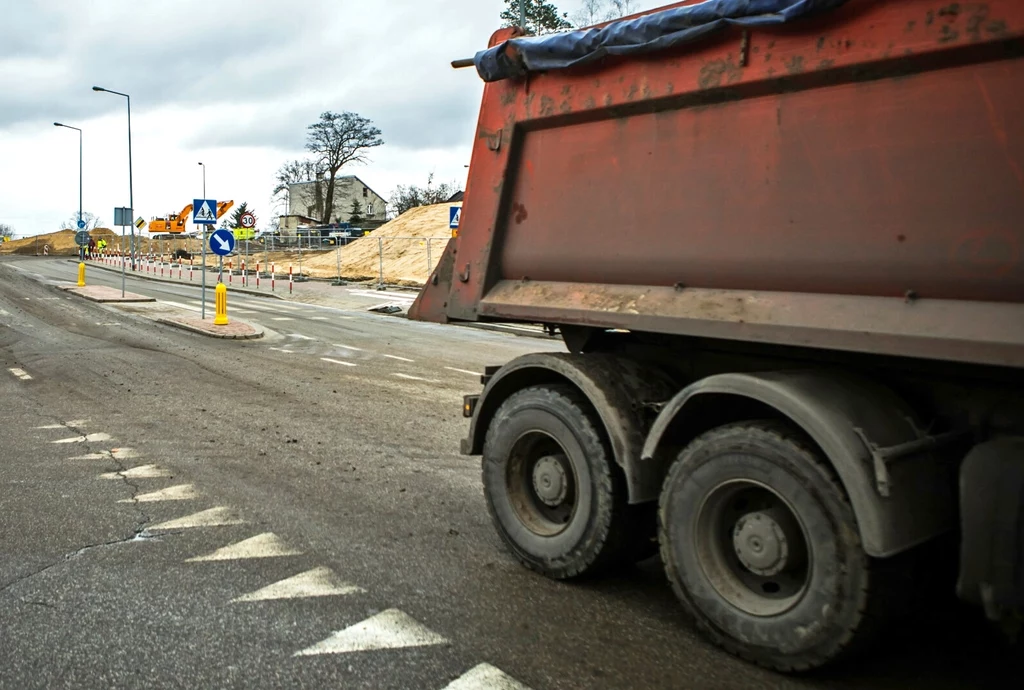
(407, 258)
(61, 243)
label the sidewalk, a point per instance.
(319, 292)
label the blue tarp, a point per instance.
(653, 32)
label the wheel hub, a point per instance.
(550, 481)
(761, 543)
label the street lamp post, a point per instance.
(131, 198)
(58, 124)
(202, 314)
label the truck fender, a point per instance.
(617, 387)
(901, 493)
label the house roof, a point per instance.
(348, 177)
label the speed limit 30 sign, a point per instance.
(248, 220)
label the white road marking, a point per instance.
(283, 318)
(238, 310)
(410, 377)
(485, 677)
(279, 349)
(182, 305)
(319, 318)
(299, 336)
(21, 374)
(348, 347)
(108, 323)
(214, 517)
(266, 545)
(4, 312)
(400, 359)
(181, 492)
(389, 629)
(88, 438)
(338, 361)
(116, 454)
(140, 472)
(377, 294)
(319, 582)
(73, 422)
(464, 371)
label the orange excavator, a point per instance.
(175, 222)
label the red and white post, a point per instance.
(289, 279)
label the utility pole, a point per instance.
(522, 14)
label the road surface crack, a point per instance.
(138, 534)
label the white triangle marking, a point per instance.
(389, 629)
(117, 453)
(485, 677)
(140, 472)
(318, 582)
(267, 545)
(214, 517)
(182, 492)
(88, 438)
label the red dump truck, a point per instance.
(784, 252)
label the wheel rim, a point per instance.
(753, 547)
(541, 484)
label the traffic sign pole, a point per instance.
(203, 298)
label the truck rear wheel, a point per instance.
(761, 546)
(552, 490)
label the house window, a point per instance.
(364, 192)
(369, 210)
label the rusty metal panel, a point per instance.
(874, 188)
(877, 152)
(954, 330)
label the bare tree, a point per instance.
(597, 11)
(407, 197)
(591, 12)
(623, 8)
(337, 140)
(6, 231)
(91, 222)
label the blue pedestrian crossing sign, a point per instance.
(204, 211)
(222, 242)
(454, 215)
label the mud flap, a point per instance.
(992, 520)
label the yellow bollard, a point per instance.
(221, 316)
(81, 274)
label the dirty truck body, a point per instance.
(786, 262)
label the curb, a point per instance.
(134, 299)
(210, 334)
(241, 291)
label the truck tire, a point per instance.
(762, 548)
(552, 490)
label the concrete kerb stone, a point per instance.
(241, 291)
(236, 330)
(101, 293)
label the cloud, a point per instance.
(233, 83)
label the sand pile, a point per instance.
(407, 260)
(60, 243)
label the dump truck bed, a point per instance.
(852, 181)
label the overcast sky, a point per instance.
(232, 83)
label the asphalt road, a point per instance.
(325, 455)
